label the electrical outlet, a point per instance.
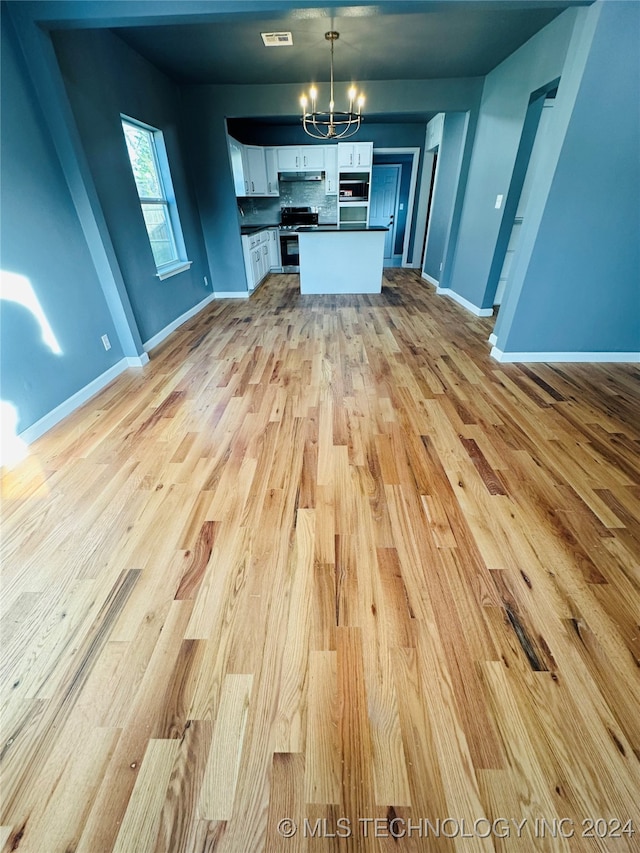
(106, 342)
(401, 207)
(499, 201)
(440, 267)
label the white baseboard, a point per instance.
(492, 339)
(623, 357)
(76, 400)
(428, 278)
(479, 312)
(164, 333)
(231, 294)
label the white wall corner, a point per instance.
(138, 361)
(164, 333)
(428, 278)
(474, 309)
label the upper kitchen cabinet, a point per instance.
(312, 156)
(271, 162)
(236, 155)
(331, 169)
(355, 155)
(301, 158)
(248, 165)
(256, 172)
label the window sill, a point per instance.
(173, 269)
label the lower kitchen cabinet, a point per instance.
(261, 255)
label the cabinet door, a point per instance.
(345, 154)
(271, 162)
(362, 154)
(274, 249)
(256, 169)
(353, 155)
(312, 156)
(237, 156)
(331, 169)
(289, 158)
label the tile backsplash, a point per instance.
(266, 211)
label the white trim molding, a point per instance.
(76, 400)
(429, 278)
(492, 339)
(164, 333)
(622, 357)
(173, 269)
(232, 294)
(479, 312)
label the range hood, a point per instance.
(300, 176)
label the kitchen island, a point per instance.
(341, 259)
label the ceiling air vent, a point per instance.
(277, 39)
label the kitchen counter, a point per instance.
(255, 229)
(345, 259)
(345, 226)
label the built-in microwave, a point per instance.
(353, 189)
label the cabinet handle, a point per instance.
(246, 186)
(253, 189)
(269, 185)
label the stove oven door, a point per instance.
(289, 251)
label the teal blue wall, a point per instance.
(580, 290)
(503, 109)
(449, 164)
(105, 78)
(42, 240)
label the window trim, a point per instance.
(179, 263)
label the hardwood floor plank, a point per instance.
(142, 818)
(218, 791)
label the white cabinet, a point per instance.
(236, 155)
(261, 255)
(312, 157)
(331, 169)
(249, 169)
(275, 261)
(271, 162)
(256, 170)
(355, 155)
(289, 158)
(301, 158)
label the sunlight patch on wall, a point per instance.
(17, 288)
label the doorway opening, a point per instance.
(530, 154)
(395, 212)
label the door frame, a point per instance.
(415, 152)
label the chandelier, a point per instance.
(331, 123)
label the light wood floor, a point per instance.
(324, 560)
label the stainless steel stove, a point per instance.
(292, 218)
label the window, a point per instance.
(153, 181)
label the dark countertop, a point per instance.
(255, 229)
(336, 229)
